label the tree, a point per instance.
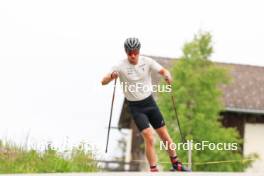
(196, 87)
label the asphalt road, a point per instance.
(143, 174)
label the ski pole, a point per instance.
(111, 112)
(176, 114)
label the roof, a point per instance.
(244, 94)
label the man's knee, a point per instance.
(149, 140)
(148, 136)
(164, 135)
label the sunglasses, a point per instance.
(133, 52)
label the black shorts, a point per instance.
(144, 112)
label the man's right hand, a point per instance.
(114, 75)
(109, 77)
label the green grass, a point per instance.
(17, 159)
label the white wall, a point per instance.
(254, 143)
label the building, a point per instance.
(244, 110)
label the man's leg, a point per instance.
(165, 137)
(149, 148)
